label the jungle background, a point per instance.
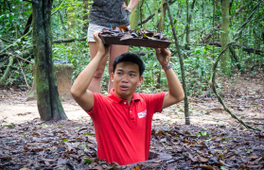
(214, 140)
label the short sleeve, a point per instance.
(155, 101)
(98, 98)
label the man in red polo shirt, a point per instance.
(122, 119)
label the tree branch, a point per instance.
(244, 48)
(11, 59)
(8, 41)
(15, 41)
(152, 15)
(20, 57)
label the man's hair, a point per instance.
(130, 57)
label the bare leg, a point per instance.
(115, 51)
(95, 85)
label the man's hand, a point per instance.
(163, 56)
(101, 48)
(175, 93)
(79, 90)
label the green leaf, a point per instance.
(204, 134)
(208, 139)
(87, 161)
(89, 134)
(10, 126)
(64, 140)
(62, 47)
(198, 51)
(59, 126)
(237, 151)
(44, 125)
(249, 150)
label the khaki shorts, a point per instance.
(94, 27)
(91, 29)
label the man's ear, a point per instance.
(140, 80)
(112, 76)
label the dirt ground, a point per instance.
(242, 96)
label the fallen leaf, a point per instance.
(224, 164)
(252, 156)
(202, 159)
(136, 168)
(192, 158)
(35, 134)
(98, 167)
(209, 167)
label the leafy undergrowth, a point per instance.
(72, 145)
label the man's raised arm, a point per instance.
(175, 93)
(79, 90)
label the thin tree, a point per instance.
(225, 61)
(49, 104)
(189, 19)
(186, 102)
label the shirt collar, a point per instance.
(116, 99)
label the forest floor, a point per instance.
(214, 140)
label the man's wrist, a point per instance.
(167, 67)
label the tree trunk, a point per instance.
(48, 100)
(156, 8)
(162, 17)
(186, 102)
(187, 28)
(235, 58)
(127, 2)
(134, 16)
(225, 61)
(143, 15)
(189, 19)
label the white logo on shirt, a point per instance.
(142, 114)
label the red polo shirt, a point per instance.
(123, 131)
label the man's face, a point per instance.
(126, 79)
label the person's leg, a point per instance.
(95, 85)
(115, 51)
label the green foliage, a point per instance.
(64, 140)
(202, 134)
(12, 126)
(87, 161)
(67, 23)
(13, 17)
